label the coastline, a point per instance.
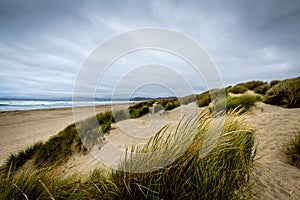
(22, 128)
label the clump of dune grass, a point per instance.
(135, 111)
(203, 99)
(286, 93)
(166, 104)
(252, 85)
(194, 173)
(274, 82)
(222, 173)
(242, 102)
(188, 99)
(58, 149)
(262, 89)
(238, 89)
(293, 150)
(169, 104)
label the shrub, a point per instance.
(167, 104)
(143, 110)
(138, 112)
(171, 105)
(293, 150)
(251, 85)
(262, 89)
(242, 103)
(203, 99)
(286, 93)
(134, 113)
(188, 99)
(238, 89)
(228, 89)
(274, 82)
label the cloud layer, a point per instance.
(43, 44)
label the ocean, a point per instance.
(21, 104)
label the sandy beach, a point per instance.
(21, 129)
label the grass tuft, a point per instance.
(242, 103)
(238, 89)
(285, 93)
(293, 150)
(222, 174)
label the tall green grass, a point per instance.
(293, 150)
(221, 173)
(242, 102)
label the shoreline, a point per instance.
(68, 107)
(20, 129)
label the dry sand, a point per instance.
(276, 126)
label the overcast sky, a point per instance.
(43, 44)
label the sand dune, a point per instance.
(20, 129)
(273, 177)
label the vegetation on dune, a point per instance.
(293, 150)
(142, 108)
(203, 99)
(286, 93)
(221, 173)
(169, 104)
(238, 89)
(274, 82)
(188, 99)
(259, 87)
(252, 85)
(242, 103)
(60, 147)
(262, 89)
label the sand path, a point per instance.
(276, 126)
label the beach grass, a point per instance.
(285, 93)
(293, 150)
(241, 102)
(238, 89)
(58, 149)
(195, 173)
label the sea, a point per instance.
(33, 104)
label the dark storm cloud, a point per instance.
(44, 43)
